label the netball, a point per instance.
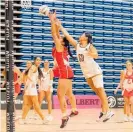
(44, 9)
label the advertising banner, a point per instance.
(82, 101)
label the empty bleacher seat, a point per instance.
(37, 51)
(25, 36)
(25, 57)
(37, 44)
(26, 23)
(25, 43)
(26, 50)
(117, 54)
(109, 22)
(34, 30)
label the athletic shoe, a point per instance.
(126, 119)
(108, 115)
(49, 117)
(22, 121)
(74, 113)
(46, 121)
(131, 119)
(64, 122)
(17, 117)
(100, 117)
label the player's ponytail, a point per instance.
(67, 45)
(89, 36)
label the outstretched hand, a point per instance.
(52, 16)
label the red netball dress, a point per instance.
(62, 68)
(17, 85)
(128, 85)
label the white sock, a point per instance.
(64, 114)
(74, 109)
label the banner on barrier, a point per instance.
(18, 102)
(82, 102)
(116, 101)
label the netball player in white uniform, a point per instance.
(86, 53)
(31, 95)
(46, 88)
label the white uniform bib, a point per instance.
(46, 80)
(31, 88)
(128, 82)
(89, 67)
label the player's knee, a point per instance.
(131, 101)
(60, 95)
(49, 100)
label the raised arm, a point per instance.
(54, 30)
(71, 40)
(93, 52)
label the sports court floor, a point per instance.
(84, 122)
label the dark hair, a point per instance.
(26, 72)
(67, 45)
(89, 36)
(39, 69)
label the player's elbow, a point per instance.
(96, 56)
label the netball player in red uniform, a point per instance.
(63, 71)
(126, 84)
(17, 81)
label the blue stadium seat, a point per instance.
(34, 30)
(34, 16)
(25, 43)
(25, 16)
(25, 36)
(117, 10)
(108, 73)
(117, 54)
(116, 22)
(125, 29)
(89, 20)
(39, 37)
(117, 29)
(25, 29)
(88, 14)
(26, 23)
(78, 72)
(126, 10)
(37, 44)
(25, 57)
(36, 51)
(108, 80)
(108, 9)
(37, 23)
(108, 47)
(117, 73)
(97, 27)
(99, 21)
(108, 86)
(26, 51)
(126, 23)
(107, 15)
(117, 35)
(37, 3)
(108, 60)
(79, 86)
